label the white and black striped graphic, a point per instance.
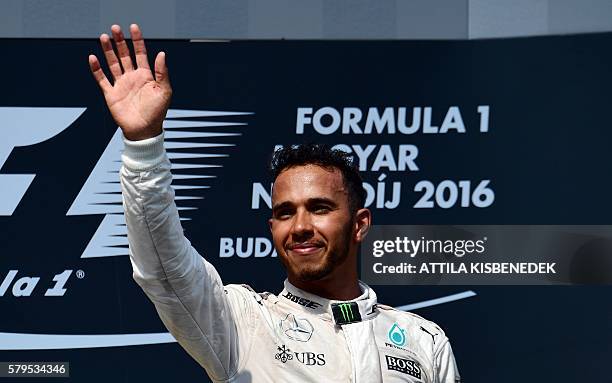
(184, 129)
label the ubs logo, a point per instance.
(306, 358)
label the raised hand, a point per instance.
(137, 101)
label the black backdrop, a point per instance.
(546, 156)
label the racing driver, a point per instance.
(325, 325)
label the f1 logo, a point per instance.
(20, 126)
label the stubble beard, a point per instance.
(318, 271)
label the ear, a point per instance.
(270, 223)
(363, 221)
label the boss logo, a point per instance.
(405, 366)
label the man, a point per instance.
(325, 325)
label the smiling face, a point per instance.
(313, 229)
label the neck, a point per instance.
(342, 287)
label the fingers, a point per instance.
(111, 58)
(161, 70)
(98, 74)
(139, 47)
(122, 48)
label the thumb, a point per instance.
(161, 70)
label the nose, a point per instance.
(302, 227)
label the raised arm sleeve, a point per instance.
(185, 289)
(446, 367)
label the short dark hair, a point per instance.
(326, 157)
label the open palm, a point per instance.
(137, 101)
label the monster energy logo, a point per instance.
(347, 312)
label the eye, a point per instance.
(321, 209)
(283, 214)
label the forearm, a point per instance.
(158, 249)
(186, 290)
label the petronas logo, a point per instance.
(347, 312)
(397, 335)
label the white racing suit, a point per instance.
(238, 335)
